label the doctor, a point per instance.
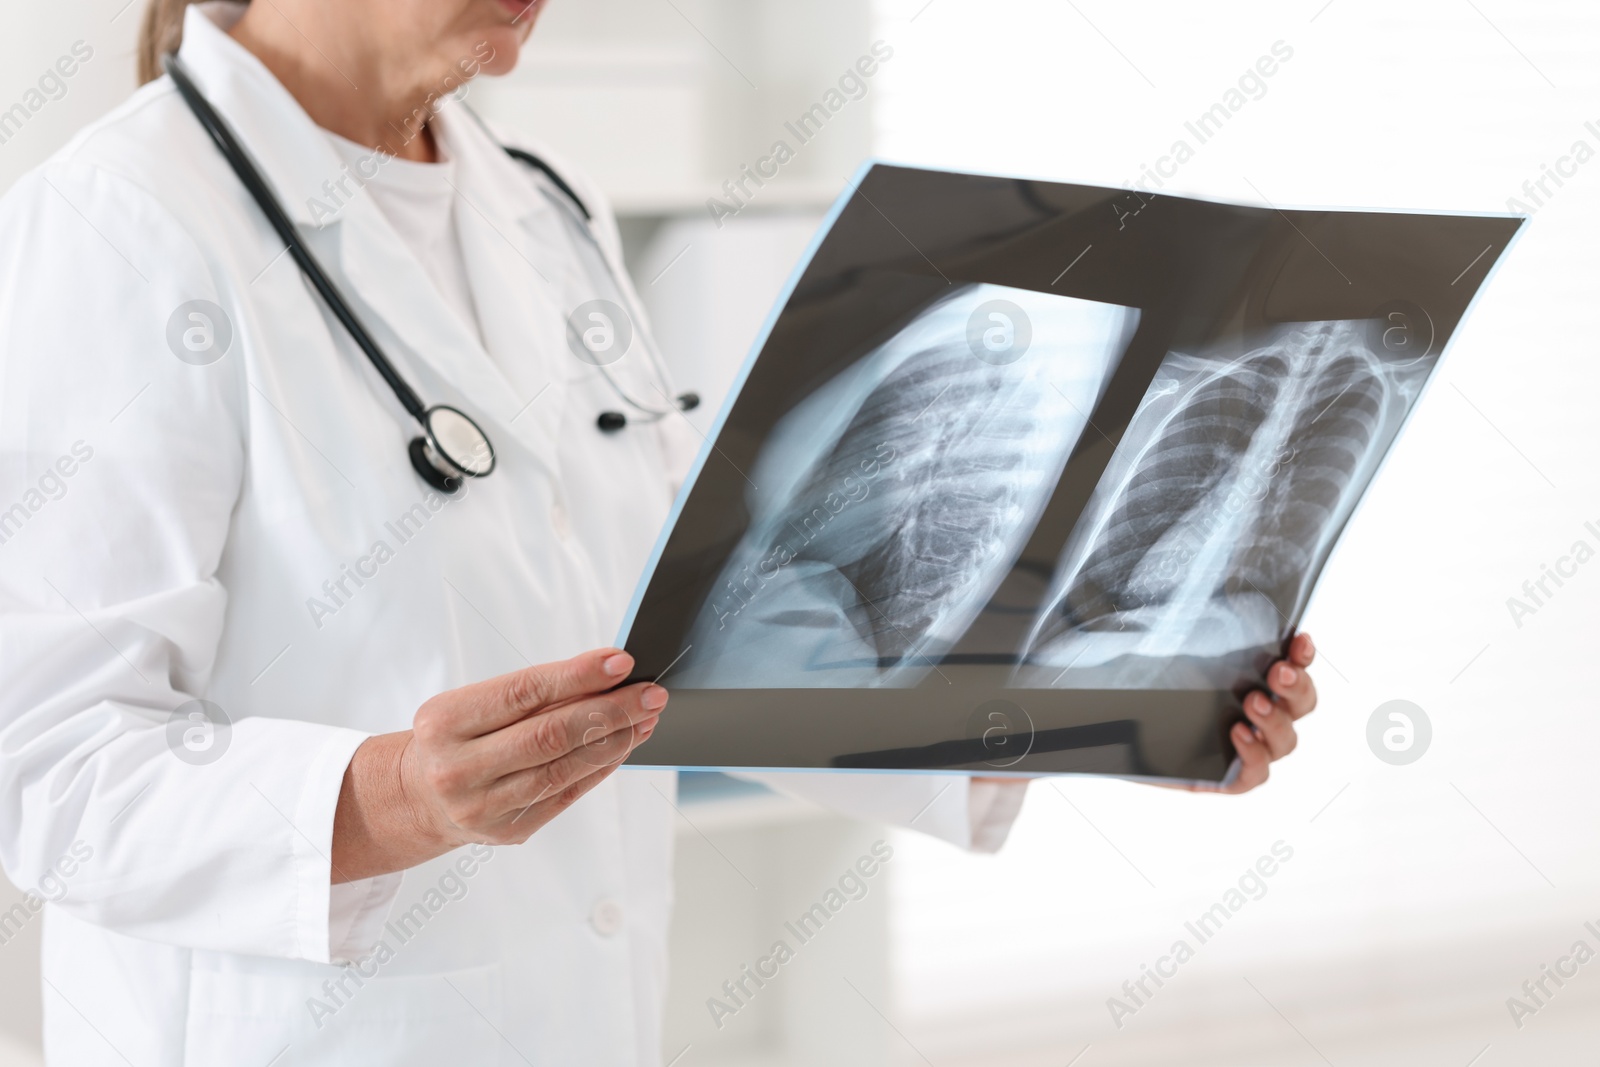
(270, 708)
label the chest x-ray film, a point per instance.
(1032, 478)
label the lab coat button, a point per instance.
(606, 918)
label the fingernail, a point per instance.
(1288, 675)
(1311, 646)
(1255, 705)
(654, 698)
(617, 665)
(647, 729)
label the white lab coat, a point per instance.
(166, 529)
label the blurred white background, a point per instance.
(1419, 898)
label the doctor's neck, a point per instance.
(367, 70)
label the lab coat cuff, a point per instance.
(992, 807)
(312, 846)
(357, 912)
(970, 813)
(955, 808)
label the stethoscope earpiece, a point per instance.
(612, 421)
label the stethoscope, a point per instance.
(452, 446)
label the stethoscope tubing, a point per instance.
(653, 413)
(251, 177)
(255, 184)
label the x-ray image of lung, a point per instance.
(1025, 477)
(887, 507)
(1228, 488)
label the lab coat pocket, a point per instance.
(297, 1015)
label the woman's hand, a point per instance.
(1269, 734)
(490, 762)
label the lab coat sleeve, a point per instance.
(120, 465)
(969, 813)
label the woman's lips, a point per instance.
(519, 8)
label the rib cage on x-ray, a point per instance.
(1204, 534)
(961, 481)
(894, 500)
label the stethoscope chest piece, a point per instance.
(452, 448)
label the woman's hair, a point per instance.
(160, 33)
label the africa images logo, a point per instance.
(199, 332)
(198, 732)
(1399, 732)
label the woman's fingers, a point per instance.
(1268, 733)
(1302, 650)
(525, 691)
(529, 792)
(1295, 691)
(1254, 759)
(550, 735)
(1273, 725)
(516, 826)
(521, 747)
(1255, 763)
(476, 710)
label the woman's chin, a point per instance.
(504, 48)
